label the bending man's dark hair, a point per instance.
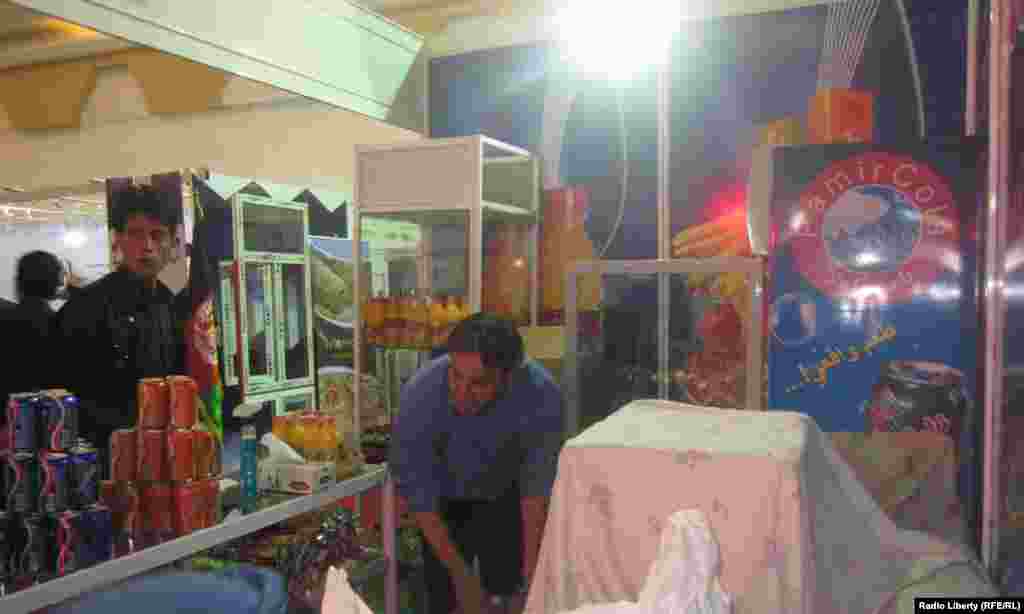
(141, 200)
(39, 275)
(496, 340)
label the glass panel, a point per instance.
(296, 341)
(708, 319)
(506, 270)
(419, 277)
(616, 343)
(259, 316)
(276, 230)
(298, 402)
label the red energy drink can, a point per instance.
(181, 455)
(85, 478)
(154, 403)
(124, 447)
(207, 455)
(152, 457)
(211, 502)
(188, 506)
(55, 492)
(23, 423)
(124, 503)
(62, 540)
(21, 483)
(183, 396)
(60, 420)
(157, 513)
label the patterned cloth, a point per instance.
(798, 532)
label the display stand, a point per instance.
(669, 369)
(455, 191)
(100, 576)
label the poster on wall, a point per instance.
(872, 315)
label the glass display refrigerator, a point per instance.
(265, 305)
(703, 344)
(464, 215)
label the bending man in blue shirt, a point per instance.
(474, 452)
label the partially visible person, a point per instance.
(123, 327)
(27, 326)
(474, 453)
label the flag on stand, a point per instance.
(201, 329)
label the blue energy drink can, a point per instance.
(21, 483)
(23, 422)
(60, 420)
(85, 478)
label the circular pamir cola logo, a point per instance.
(875, 227)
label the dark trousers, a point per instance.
(489, 531)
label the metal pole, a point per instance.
(996, 214)
(971, 115)
(664, 223)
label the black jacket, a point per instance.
(110, 335)
(26, 329)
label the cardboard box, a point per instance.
(837, 115)
(295, 478)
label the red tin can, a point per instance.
(152, 457)
(124, 447)
(207, 456)
(157, 506)
(188, 506)
(211, 501)
(181, 455)
(183, 396)
(154, 403)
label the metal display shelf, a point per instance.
(70, 586)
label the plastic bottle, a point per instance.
(250, 469)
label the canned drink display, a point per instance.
(6, 533)
(23, 422)
(124, 447)
(154, 403)
(211, 502)
(207, 456)
(60, 420)
(188, 508)
(95, 532)
(21, 483)
(85, 478)
(183, 395)
(30, 550)
(62, 540)
(152, 457)
(157, 502)
(54, 493)
(181, 455)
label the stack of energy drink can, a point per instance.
(51, 521)
(165, 473)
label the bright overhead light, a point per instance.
(74, 239)
(614, 39)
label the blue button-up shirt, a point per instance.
(436, 454)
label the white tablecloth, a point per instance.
(798, 532)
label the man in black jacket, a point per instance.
(123, 327)
(28, 324)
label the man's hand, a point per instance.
(470, 593)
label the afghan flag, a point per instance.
(201, 329)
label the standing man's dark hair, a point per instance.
(496, 340)
(39, 275)
(141, 200)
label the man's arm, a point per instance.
(543, 445)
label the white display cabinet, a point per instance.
(469, 207)
(266, 304)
